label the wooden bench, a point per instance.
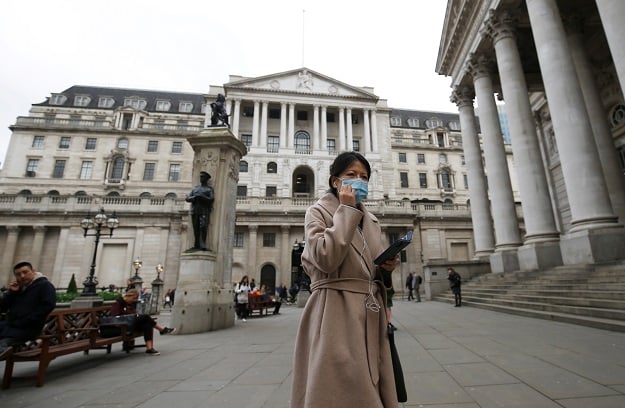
(66, 331)
(258, 304)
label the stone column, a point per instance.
(611, 13)
(367, 131)
(37, 247)
(263, 124)
(348, 126)
(285, 250)
(251, 252)
(236, 118)
(341, 129)
(541, 248)
(615, 182)
(374, 132)
(316, 142)
(583, 177)
(283, 125)
(255, 124)
(507, 232)
(324, 128)
(8, 255)
(478, 193)
(203, 291)
(291, 141)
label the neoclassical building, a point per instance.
(559, 66)
(125, 150)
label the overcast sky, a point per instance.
(47, 46)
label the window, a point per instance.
(302, 115)
(117, 171)
(356, 145)
(354, 119)
(395, 121)
(57, 99)
(152, 146)
(59, 168)
(136, 103)
(106, 102)
(420, 158)
(462, 160)
(163, 106)
(403, 178)
(242, 166)
(465, 178)
(238, 240)
(272, 167)
(271, 191)
(330, 117)
(241, 191)
(247, 140)
(64, 142)
(38, 141)
(174, 172)
(302, 142)
(126, 120)
(90, 143)
(248, 111)
(453, 125)
(176, 147)
(81, 100)
(445, 180)
(274, 113)
(273, 144)
(185, 107)
(269, 239)
(148, 171)
(86, 170)
(440, 139)
(432, 123)
(122, 143)
(423, 180)
(402, 158)
(31, 167)
(442, 158)
(331, 145)
(412, 122)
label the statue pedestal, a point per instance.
(302, 298)
(204, 298)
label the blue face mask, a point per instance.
(360, 187)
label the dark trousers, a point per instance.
(457, 296)
(276, 309)
(410, 297)
(416, 291)
(243, 312)
(146, 325)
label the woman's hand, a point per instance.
(391, 264)
(347, 195)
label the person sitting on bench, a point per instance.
(29, 300)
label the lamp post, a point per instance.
(157, 284)
(101, 220)
(137, 283)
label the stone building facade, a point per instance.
(125, 150)
(559, 66)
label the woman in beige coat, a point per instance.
(342, 355)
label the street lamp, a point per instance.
(96, 223)
(157, 284)
(136, 280)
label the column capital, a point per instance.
(252, 227)
(285, 228)
(39, 228)
(13, 229)
(479, 65)
(462, 96)
(499, 26)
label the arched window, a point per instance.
(25, 193)
(118, 168)
(242, 166)
(145, 194)
(80, 193)
(53, 193)
(171, 195)
(113, 194)
(272, 167)
(302, 142)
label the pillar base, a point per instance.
(504, 261)
(593, 246)
(539, 256)
(201, 304)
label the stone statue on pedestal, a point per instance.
(219, 115)
(201, 198)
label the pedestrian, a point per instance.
(167, 299)
(342, 349)
(127, 305)
(28, 301)
(243, 290)
(409, 286)
(416, 284)
(455, 283)
(253, 284)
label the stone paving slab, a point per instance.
(452, 358)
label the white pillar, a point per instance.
(612, 13)
(255, 120)
(374, 131)
(316, 142)
(291, 142)
(500, 187)
(236, 118)
(284, 274)
(251, 251)
(478, 193)
(341, 129)
(8, 254)
(324, 128)
(37, 246)
(350, 133)
(283, 124)
(263, 125)
(367, 131)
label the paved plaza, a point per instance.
(452, 358)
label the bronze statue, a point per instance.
(219, 111)
(201, 198)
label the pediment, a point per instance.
(300, 81)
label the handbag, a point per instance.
(113, 329)
(398, 373)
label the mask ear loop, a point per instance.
(371, 303)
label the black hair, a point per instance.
(22, 264)
(342, 162)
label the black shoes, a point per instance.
(152, 352)
(167, 330)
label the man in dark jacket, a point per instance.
(455, 283)
(29, 300)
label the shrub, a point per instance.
(71, 288)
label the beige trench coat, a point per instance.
(342, 355)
